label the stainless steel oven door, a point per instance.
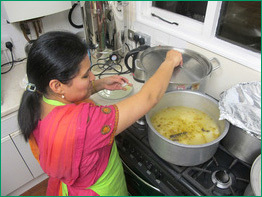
(138, 185)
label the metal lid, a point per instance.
(195, 66)
(255, 176)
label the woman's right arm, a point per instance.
(136, 106)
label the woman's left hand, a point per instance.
(115, 82)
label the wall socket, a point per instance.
(5, 39)
(145, 36)
(131, 34)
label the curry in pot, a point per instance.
(185, 125)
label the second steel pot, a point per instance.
(241, 106)
(193, 75)
(242, 145)
(182, 154)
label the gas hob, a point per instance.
(222, 175)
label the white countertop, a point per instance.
(11, 91)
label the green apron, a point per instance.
(112, 182)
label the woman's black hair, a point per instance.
(54, 55)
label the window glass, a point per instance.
(240, 23)
(192, 9)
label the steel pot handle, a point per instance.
(215, 63)
(138, 62)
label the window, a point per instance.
(192, 9)
(229, 28)
(240, 24)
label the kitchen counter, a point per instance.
(11, 91)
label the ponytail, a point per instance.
(54, 55)
(29, 112)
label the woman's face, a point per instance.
(80, 86)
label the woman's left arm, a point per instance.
(115, 82)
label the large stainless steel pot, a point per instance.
(193, 75)
(242, 145)
(181, 154)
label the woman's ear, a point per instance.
(56, 86)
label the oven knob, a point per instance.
(149, 165)
(158, 174)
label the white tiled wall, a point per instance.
(53, 22)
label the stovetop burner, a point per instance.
(222, 175)
(221, 179)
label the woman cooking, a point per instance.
(71, 137)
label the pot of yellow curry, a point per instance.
(184, 127)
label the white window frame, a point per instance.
(197, 33)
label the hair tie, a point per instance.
(31, 87)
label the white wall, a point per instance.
(52, 22)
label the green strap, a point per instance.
(52, 102)
(112, 182)
(64, 189)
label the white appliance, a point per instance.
(24, 10)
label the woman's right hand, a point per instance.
(174, 57)
(136, 106)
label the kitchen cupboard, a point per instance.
(25, 151)
(14, 172)
(18, 165)
(33, 9)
